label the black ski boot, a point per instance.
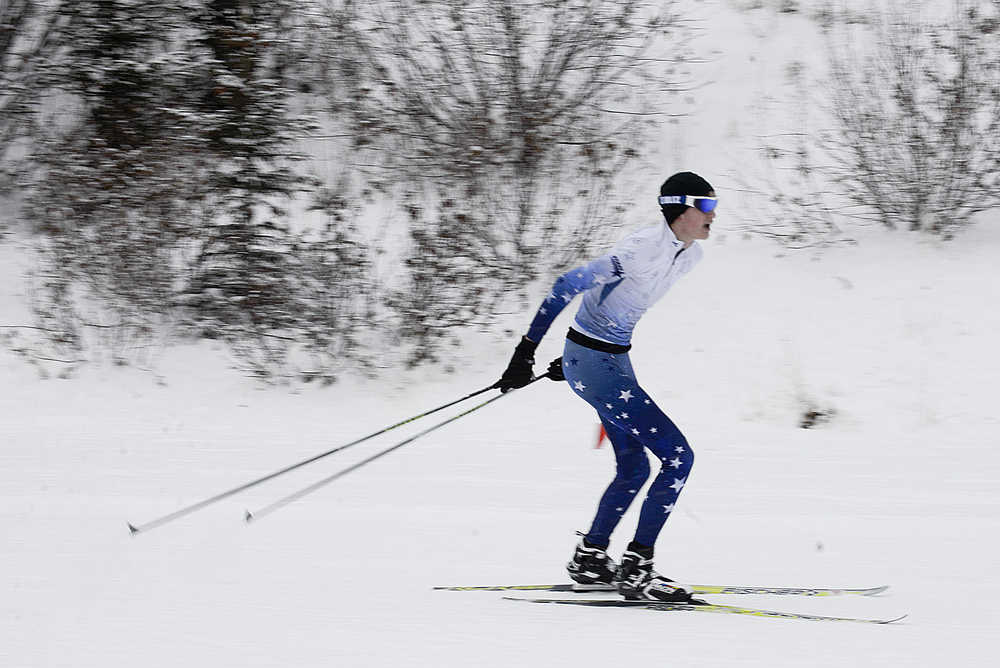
(591, 565)
(637, 581)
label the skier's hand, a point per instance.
(555, 370)
(519, 372)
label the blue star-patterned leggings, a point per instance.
(633, 421)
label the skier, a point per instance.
(617, 289)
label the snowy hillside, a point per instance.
(894, 339)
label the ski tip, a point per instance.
(874, 591)
(132, 529)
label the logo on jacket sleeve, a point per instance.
(616, 265)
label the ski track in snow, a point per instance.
(898, 334)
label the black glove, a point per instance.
(519, 372)
(555, 369)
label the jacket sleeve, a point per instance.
(604, 271)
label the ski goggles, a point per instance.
(703, 204)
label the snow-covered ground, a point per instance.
(896, 336)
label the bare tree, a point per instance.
(917, 137)
(502, 128)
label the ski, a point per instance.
(695, 589)
(700, 606)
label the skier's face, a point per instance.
(693, 224)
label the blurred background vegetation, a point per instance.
(329, 185)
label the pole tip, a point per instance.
(132, 530)
(248, 517)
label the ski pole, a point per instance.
(284, 501)
(177, 514)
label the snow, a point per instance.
(898, 488)
(895, 335)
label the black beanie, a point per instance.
(682, 183)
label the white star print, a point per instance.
(652, 430)
(646, 401)
(626, 395)
(609, 406)
(543, 311)
(676, 463)
(635, 431)
(579, 385)
(668, 508)
(679, 448)
(567, 297)
(678, 484)
(625, 415)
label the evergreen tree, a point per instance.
(244, 282)
(162, 146)
(117, 162)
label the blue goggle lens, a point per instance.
(706, 205)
